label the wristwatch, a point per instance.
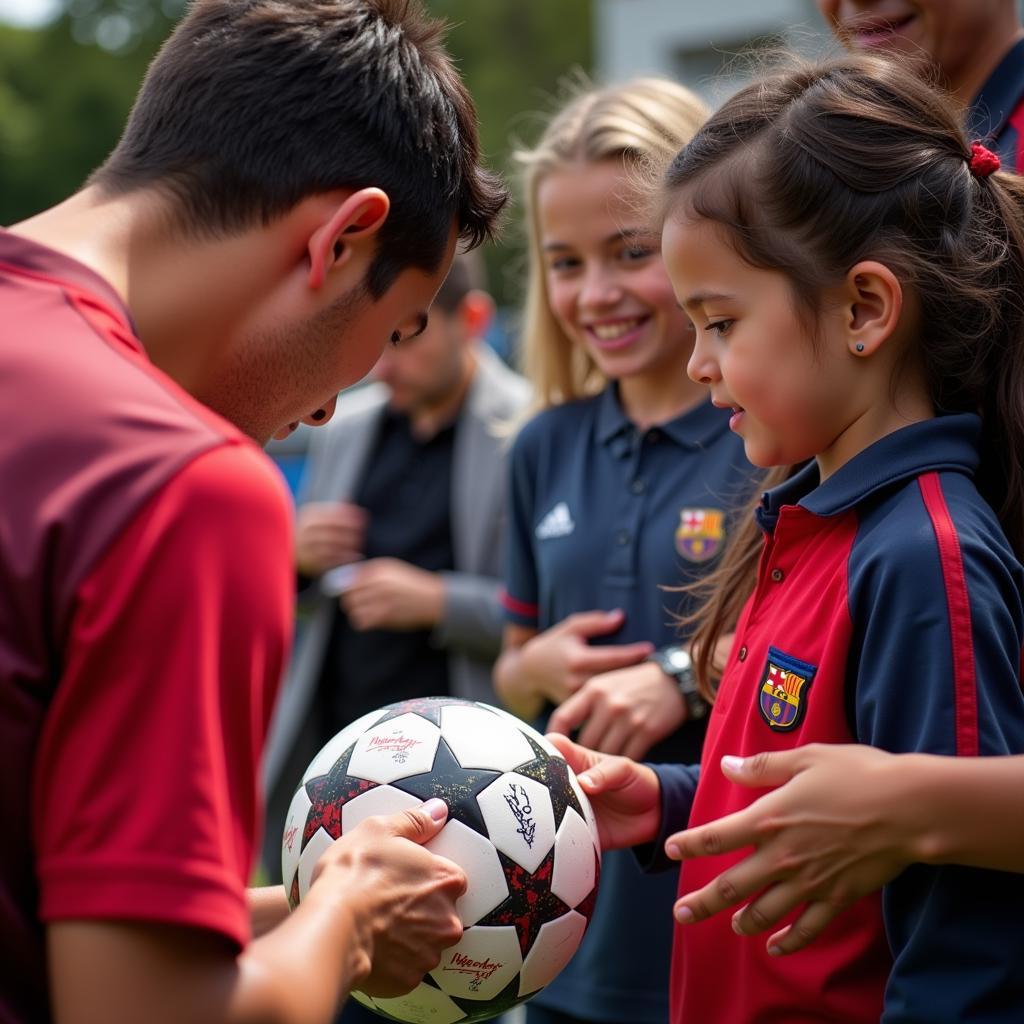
(677, 664)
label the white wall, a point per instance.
(694, 41)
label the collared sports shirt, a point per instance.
(146, 583)
(888, 610)
(602, 516)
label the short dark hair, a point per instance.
(253, 105)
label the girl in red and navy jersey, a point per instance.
(854, 269)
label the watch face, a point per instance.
(678, 659)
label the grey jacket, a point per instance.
(472, 624)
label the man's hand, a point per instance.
(328, 534)
(400, 896)
(625, 795)
(838, 828)
(624, 712)
(559, 661)
(390, 594)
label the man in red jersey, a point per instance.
(286, 198)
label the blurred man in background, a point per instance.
(975, 46)
(399, 537)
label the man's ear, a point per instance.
(875, 302)
(354, 221)
(476, 311)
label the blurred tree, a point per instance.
(65, 93)
(513, 55)
(67, 87)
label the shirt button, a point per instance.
(653, 436)
(623, 537)
(743, 653)
(777, 575)
(638, 487)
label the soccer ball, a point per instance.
(518, 825)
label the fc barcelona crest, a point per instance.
(700, 533)
(782, 695)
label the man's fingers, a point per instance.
(594, 623)
(766, 769)
(598, 728)
(804, 930)
(732, 832)
(769, 908)
(728, 889)
(573, 711)
(595, 660)
(420, 824)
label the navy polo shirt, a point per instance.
(603, 515)
(996, 115)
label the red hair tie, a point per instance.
(982, 161)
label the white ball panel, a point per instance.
(381, 800)
(291, 845)
(481, 964)
(423, 1005)
(575, 870)
(395, 749)
(481, 739)
(553, 948)
(476, 856)
(338, 744)
(314, 850)
(519, 818)
(524, 727)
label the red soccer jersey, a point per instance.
(146, 571)
(889, 610)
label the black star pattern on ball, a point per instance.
(507, 998)
(530, 902)
(553, 773)
(426, 707)
(328, 794)
(456, 786)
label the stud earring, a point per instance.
(859, 346)
(322, 413)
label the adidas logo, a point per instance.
(557, 523)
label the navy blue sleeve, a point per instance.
(932, 639)
(678, 785)
(521, 597)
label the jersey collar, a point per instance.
(998, 97)
(694, 428)
(44, 263)
(944, 443)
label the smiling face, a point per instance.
(786, 379)
(952, 33)
(605, 279)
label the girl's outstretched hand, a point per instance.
(838, 828)
(625, 795)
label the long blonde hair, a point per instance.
(644, 122)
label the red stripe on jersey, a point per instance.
(1016, 122)
(519, 607)
(965, 695)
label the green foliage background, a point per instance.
(66, 88)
